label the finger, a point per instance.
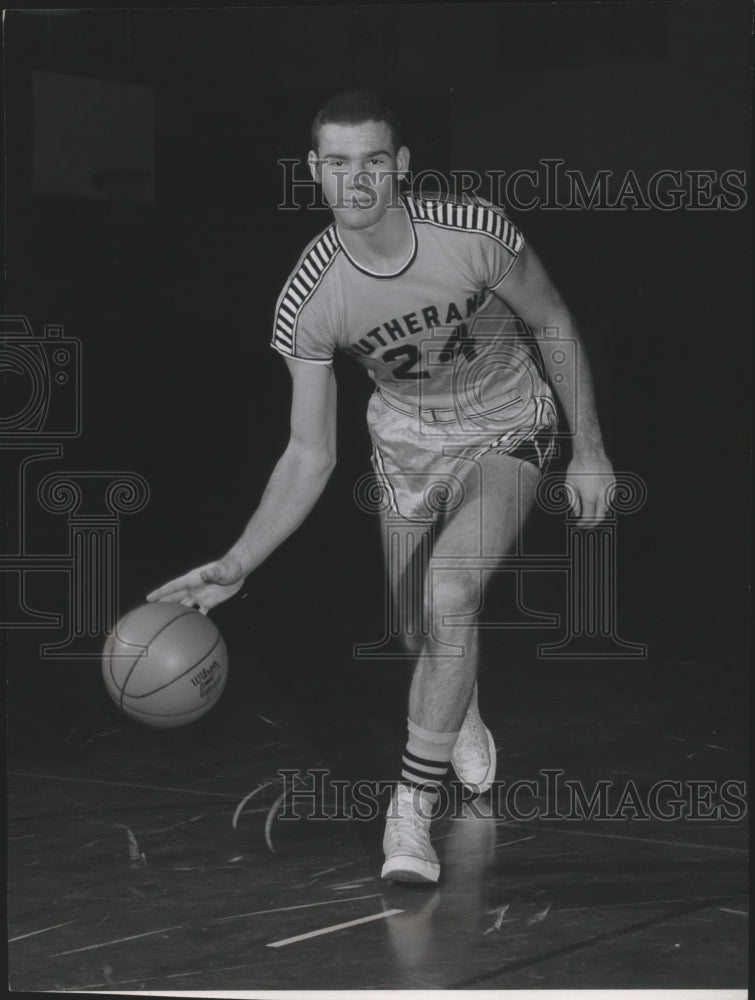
(592, 510)
(182, 586)
(194, 604)
(588, 508)
(167, 594)
(174, 589)
(606, 496)
(576, 502)
(603, 501)
(600, 510)
(220, 573)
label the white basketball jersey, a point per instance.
(421, 330)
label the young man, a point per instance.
(421, 294)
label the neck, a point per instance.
(383, 246)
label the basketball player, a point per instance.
(424, 295)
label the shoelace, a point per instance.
(408, 832)
(472, 742)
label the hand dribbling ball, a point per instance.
(165, 664)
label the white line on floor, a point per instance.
(639, 840)
(299, 906)
(332, 928)
(510, 842)
(20, 937)
(122, 784)
(644, 902)
(104, 944)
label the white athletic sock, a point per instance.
(425, 760)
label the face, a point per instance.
(358, 168)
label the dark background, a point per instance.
(173, 300)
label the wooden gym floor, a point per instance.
(126, 871)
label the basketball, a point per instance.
(165, 664)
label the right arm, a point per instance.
(292, 491)
(302, 471)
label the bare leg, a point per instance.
(405, 573)
(487, 523)
(498, 494)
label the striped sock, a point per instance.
(425, 760)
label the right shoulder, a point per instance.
(306, 294)
(311, 267)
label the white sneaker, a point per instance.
(409, 855)
(474, 757)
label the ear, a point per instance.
(314, 165)
(402, 162)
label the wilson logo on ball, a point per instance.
(164, 664)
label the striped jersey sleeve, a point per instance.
(304, 326)
(493, 242)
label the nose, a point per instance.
(361, 178)
(349, 177)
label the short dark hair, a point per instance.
(354, 107)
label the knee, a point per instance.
(412, 642)
(451, 594)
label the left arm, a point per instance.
(529, 291)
